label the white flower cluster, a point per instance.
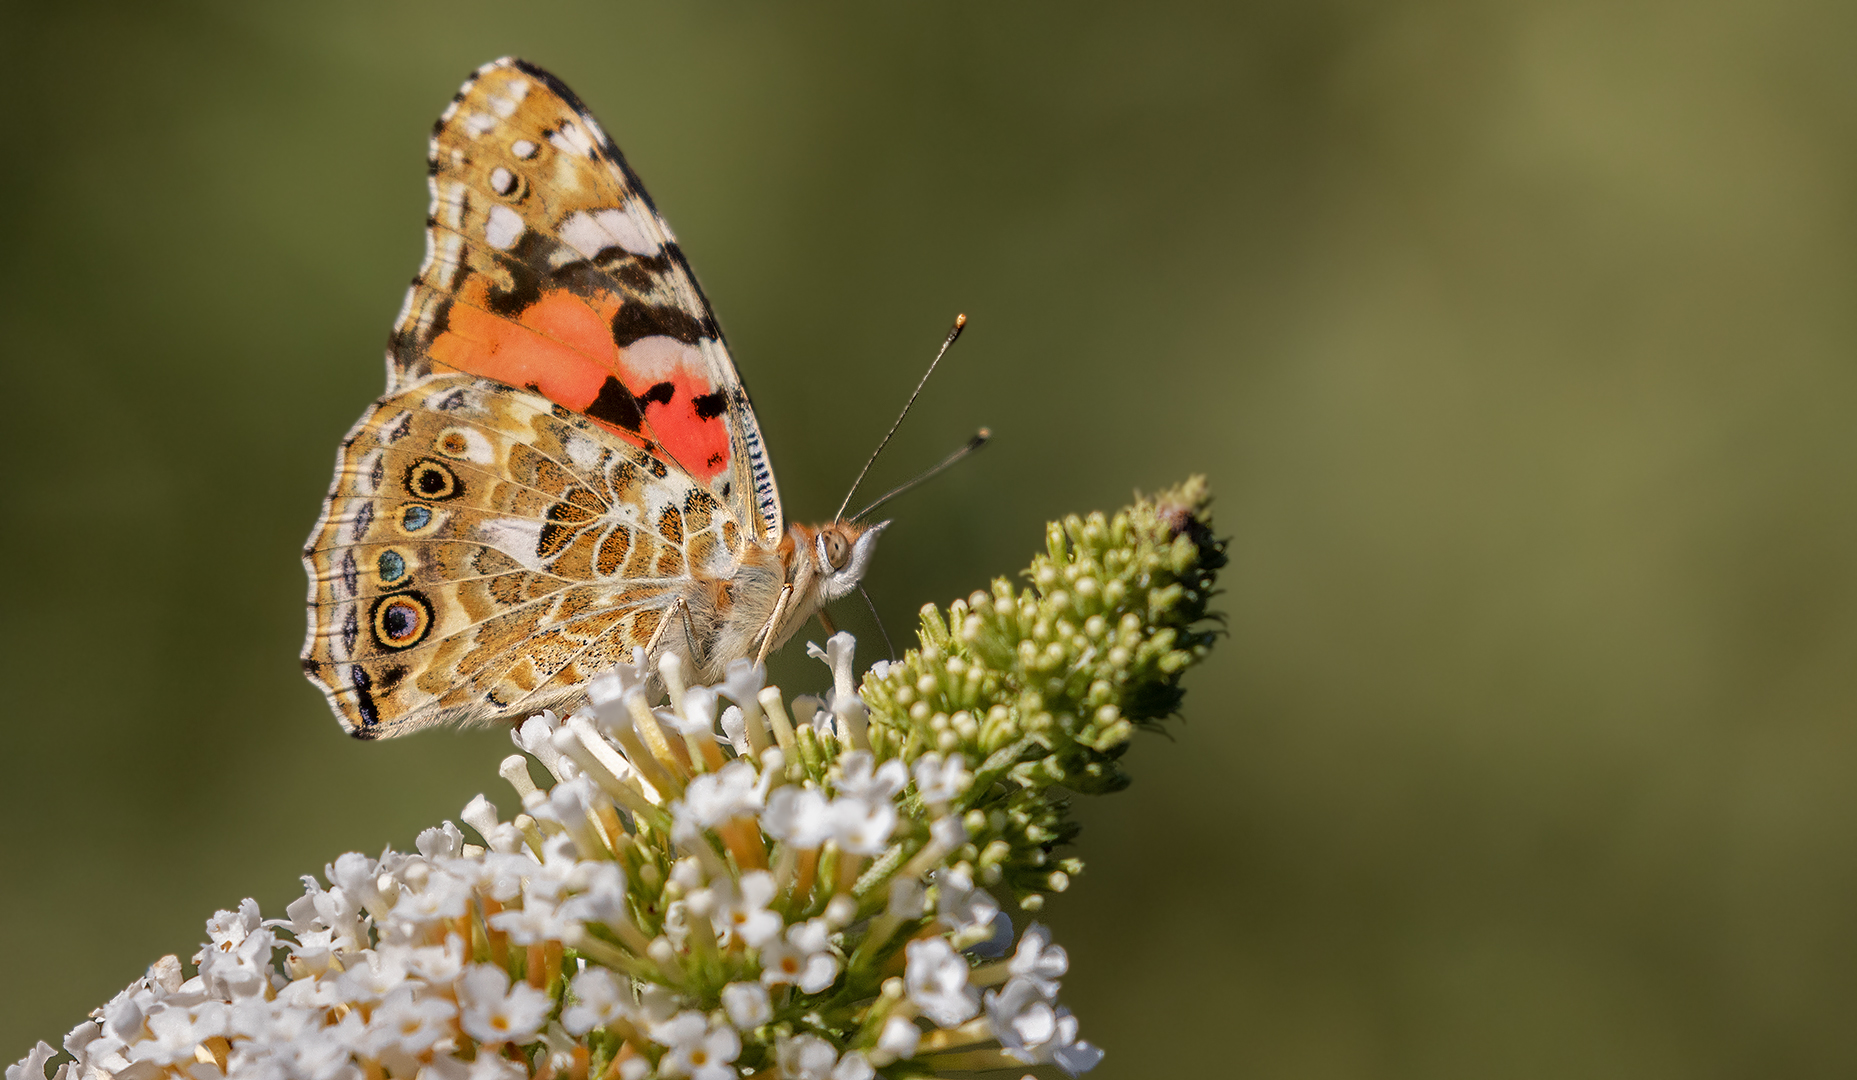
(771, 902)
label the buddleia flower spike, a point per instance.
(725, 883)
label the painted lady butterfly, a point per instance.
(565, 464)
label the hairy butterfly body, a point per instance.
(565, 465)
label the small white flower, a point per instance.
(854, 1066)
(805, 959)
(437, 964)
(799, 817)
(331, 910)
(1031, 1029)
(237, 957)
(696, 717)
(810, 712)
(535, 737)
(733, 791)
(600, 895)
(493, 1011)
(747, 1005)
(735, 728)
(838, 655)
(740, 910)
(1038, 961)
(941, 782)
(695, 1049)
(32, 1066)
(565, 804)
(863, 827)
(494, 1067)
(936, 978)
(598, 1001)
(440, 842)
(805, 1057)
(742, 684)
(377, 974)
(405, 1026)
(359, 877)
(959, 906)
(607, 693)
(534, 923)
(860, 777)
(322, 1054)
(444, 896)
(687, 874)
(899, 1037)
(497, 875)
(480, 813)
(173, 1041)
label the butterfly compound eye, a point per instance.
(836, 550)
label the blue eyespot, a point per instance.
(391, 567)
(414, 518)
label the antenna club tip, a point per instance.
(960, 320)
(983, 434)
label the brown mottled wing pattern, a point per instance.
(547, 267)
(564, 447)
(486, 551)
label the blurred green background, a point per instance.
(1516, 338)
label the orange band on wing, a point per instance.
(561, 346)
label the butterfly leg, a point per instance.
(826, 624)
(651, 647)
(767, 632)
(689, 634)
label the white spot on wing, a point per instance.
(583, 452)
(479, 123)
(514, 537)
(523, 149)
(504, 104)
(589, 232)
(593, 125)
(477, 448)
(503, 229)
(663, 359)
(572, 138)
(502, 181)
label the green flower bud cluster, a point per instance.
(1043, 687)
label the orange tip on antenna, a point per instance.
(960, 321)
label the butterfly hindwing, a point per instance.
(483, 550)
(548, 268)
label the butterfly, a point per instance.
(565, 465)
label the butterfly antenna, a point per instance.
(979, 440)
(887, 643)
(960, 322)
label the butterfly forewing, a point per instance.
(547, 267)
(564, 449)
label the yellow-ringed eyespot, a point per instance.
(401, 620)
(507, 184)
(427, 479)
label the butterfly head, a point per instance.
(827, 562)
